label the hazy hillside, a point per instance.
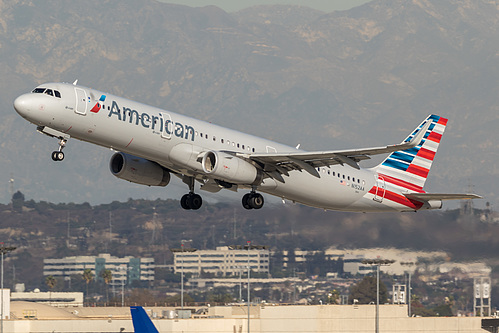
(362, 77)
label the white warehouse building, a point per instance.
(224, 261)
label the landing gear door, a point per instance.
(81, 101)
(168, 127)
(380, 189)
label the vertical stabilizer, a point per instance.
(408, 169)
(141, 321)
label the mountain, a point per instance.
(362, 77)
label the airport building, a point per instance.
(224, 261)
(263, 318)
(124, 270)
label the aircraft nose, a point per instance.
(22, 105)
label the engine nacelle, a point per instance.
(138, 170)
(230, 168)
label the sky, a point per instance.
(235, 5)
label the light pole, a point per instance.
(249, 270)
(3, 251)
(378, 263)
(409, 264)
(122, 268)
(182, 250)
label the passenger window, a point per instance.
(348, 177)
(222, 140)
(253, 149)
(238, 145)
(214, 139)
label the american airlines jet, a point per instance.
(152, 144)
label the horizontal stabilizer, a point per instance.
(441, 196)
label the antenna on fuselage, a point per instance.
(74, 83)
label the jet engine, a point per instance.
(138, 170)
(229, 168)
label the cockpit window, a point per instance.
(47, 91)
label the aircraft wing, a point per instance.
(277, 164)
(441, 196)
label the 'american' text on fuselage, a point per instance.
(152, 121)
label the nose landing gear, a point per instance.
(58, 155)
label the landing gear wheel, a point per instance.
(195, 201)
(253, 200)
(245, 201)
(191, 201)
(256, 201)
(57, 155)
(184, 202)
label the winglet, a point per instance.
(418, 137)
(141, 321)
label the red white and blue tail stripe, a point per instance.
(408, 169)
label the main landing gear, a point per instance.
(191, 200)
(58, 155)
(253, 200)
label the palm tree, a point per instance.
(50, 281)
(107, 275)
(88, 276)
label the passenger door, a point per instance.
(81, 101)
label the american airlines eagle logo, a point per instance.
(98, 105)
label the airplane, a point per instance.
(141, 321)
(151, 144)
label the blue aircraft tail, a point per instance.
(141, 321)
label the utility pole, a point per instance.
(3, 250)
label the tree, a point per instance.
(365, 291)
(107, 276)
(50, 281)
(17, 201)
(88, 276)
(333, 297)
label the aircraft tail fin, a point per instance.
(409, 168)
(141, 321)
